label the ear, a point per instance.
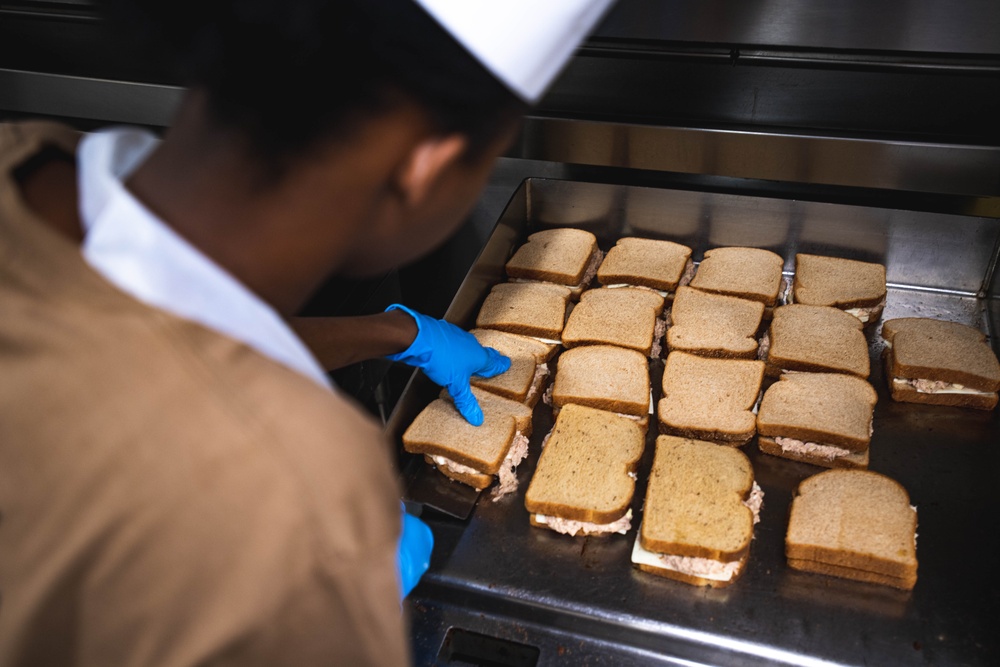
(425, 165)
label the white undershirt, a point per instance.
(143, 256)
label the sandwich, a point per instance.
(603, 377)
(627, 317)
(855, 287)
(714, 325)
(748, 273)
(473, 455)
(529, 309)
(815, 339)
(524, 381)
(565, 256)
(701, 506)
(941, 363)
(854, 524)
(710, 399)
(820, 418)
(585, 477)
(658, 265)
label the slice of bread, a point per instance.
(583, 471)
(694, 502)
(816, 339)
(944, 352)
(842, 283)
(855, 520)
(710, 399)
(824, 408)
(524, 380)
(749, 273)
(561, 256)
(660, 265)
(714, 325)
(530, 309)
(604, 377)
(625, 317)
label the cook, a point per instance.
(180, 484)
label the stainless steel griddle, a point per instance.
(500, 592)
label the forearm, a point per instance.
(341, 341)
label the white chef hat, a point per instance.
(524, 43)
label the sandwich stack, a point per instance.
(857, 288)
(701, 506)
(585, 478)
(940, 363)
(854, 524)
(820, 418)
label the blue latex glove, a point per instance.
(413, 556)
(450, 357)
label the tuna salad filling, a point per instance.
(572, 528)
(938, 387)
(826, 452)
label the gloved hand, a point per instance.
(413, 556)
(450, 356)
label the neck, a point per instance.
(282, 239)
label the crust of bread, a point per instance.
(903, 583)
(856, 460)
(692, 579)
(476, 481)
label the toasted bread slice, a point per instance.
(524, 380)
(624, 317)
(530, 309)
(749, 273)
(564, 256)
(494, 403)
(696, 500)
(583, 471)
(659, 265)
(710, 399)
(817, 339)
(854, 519)
(857, 288)
(818, 418)
(941, 363)
(714, 325)
(604, 377)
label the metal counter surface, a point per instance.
(552, 599)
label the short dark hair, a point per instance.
(290, 72)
